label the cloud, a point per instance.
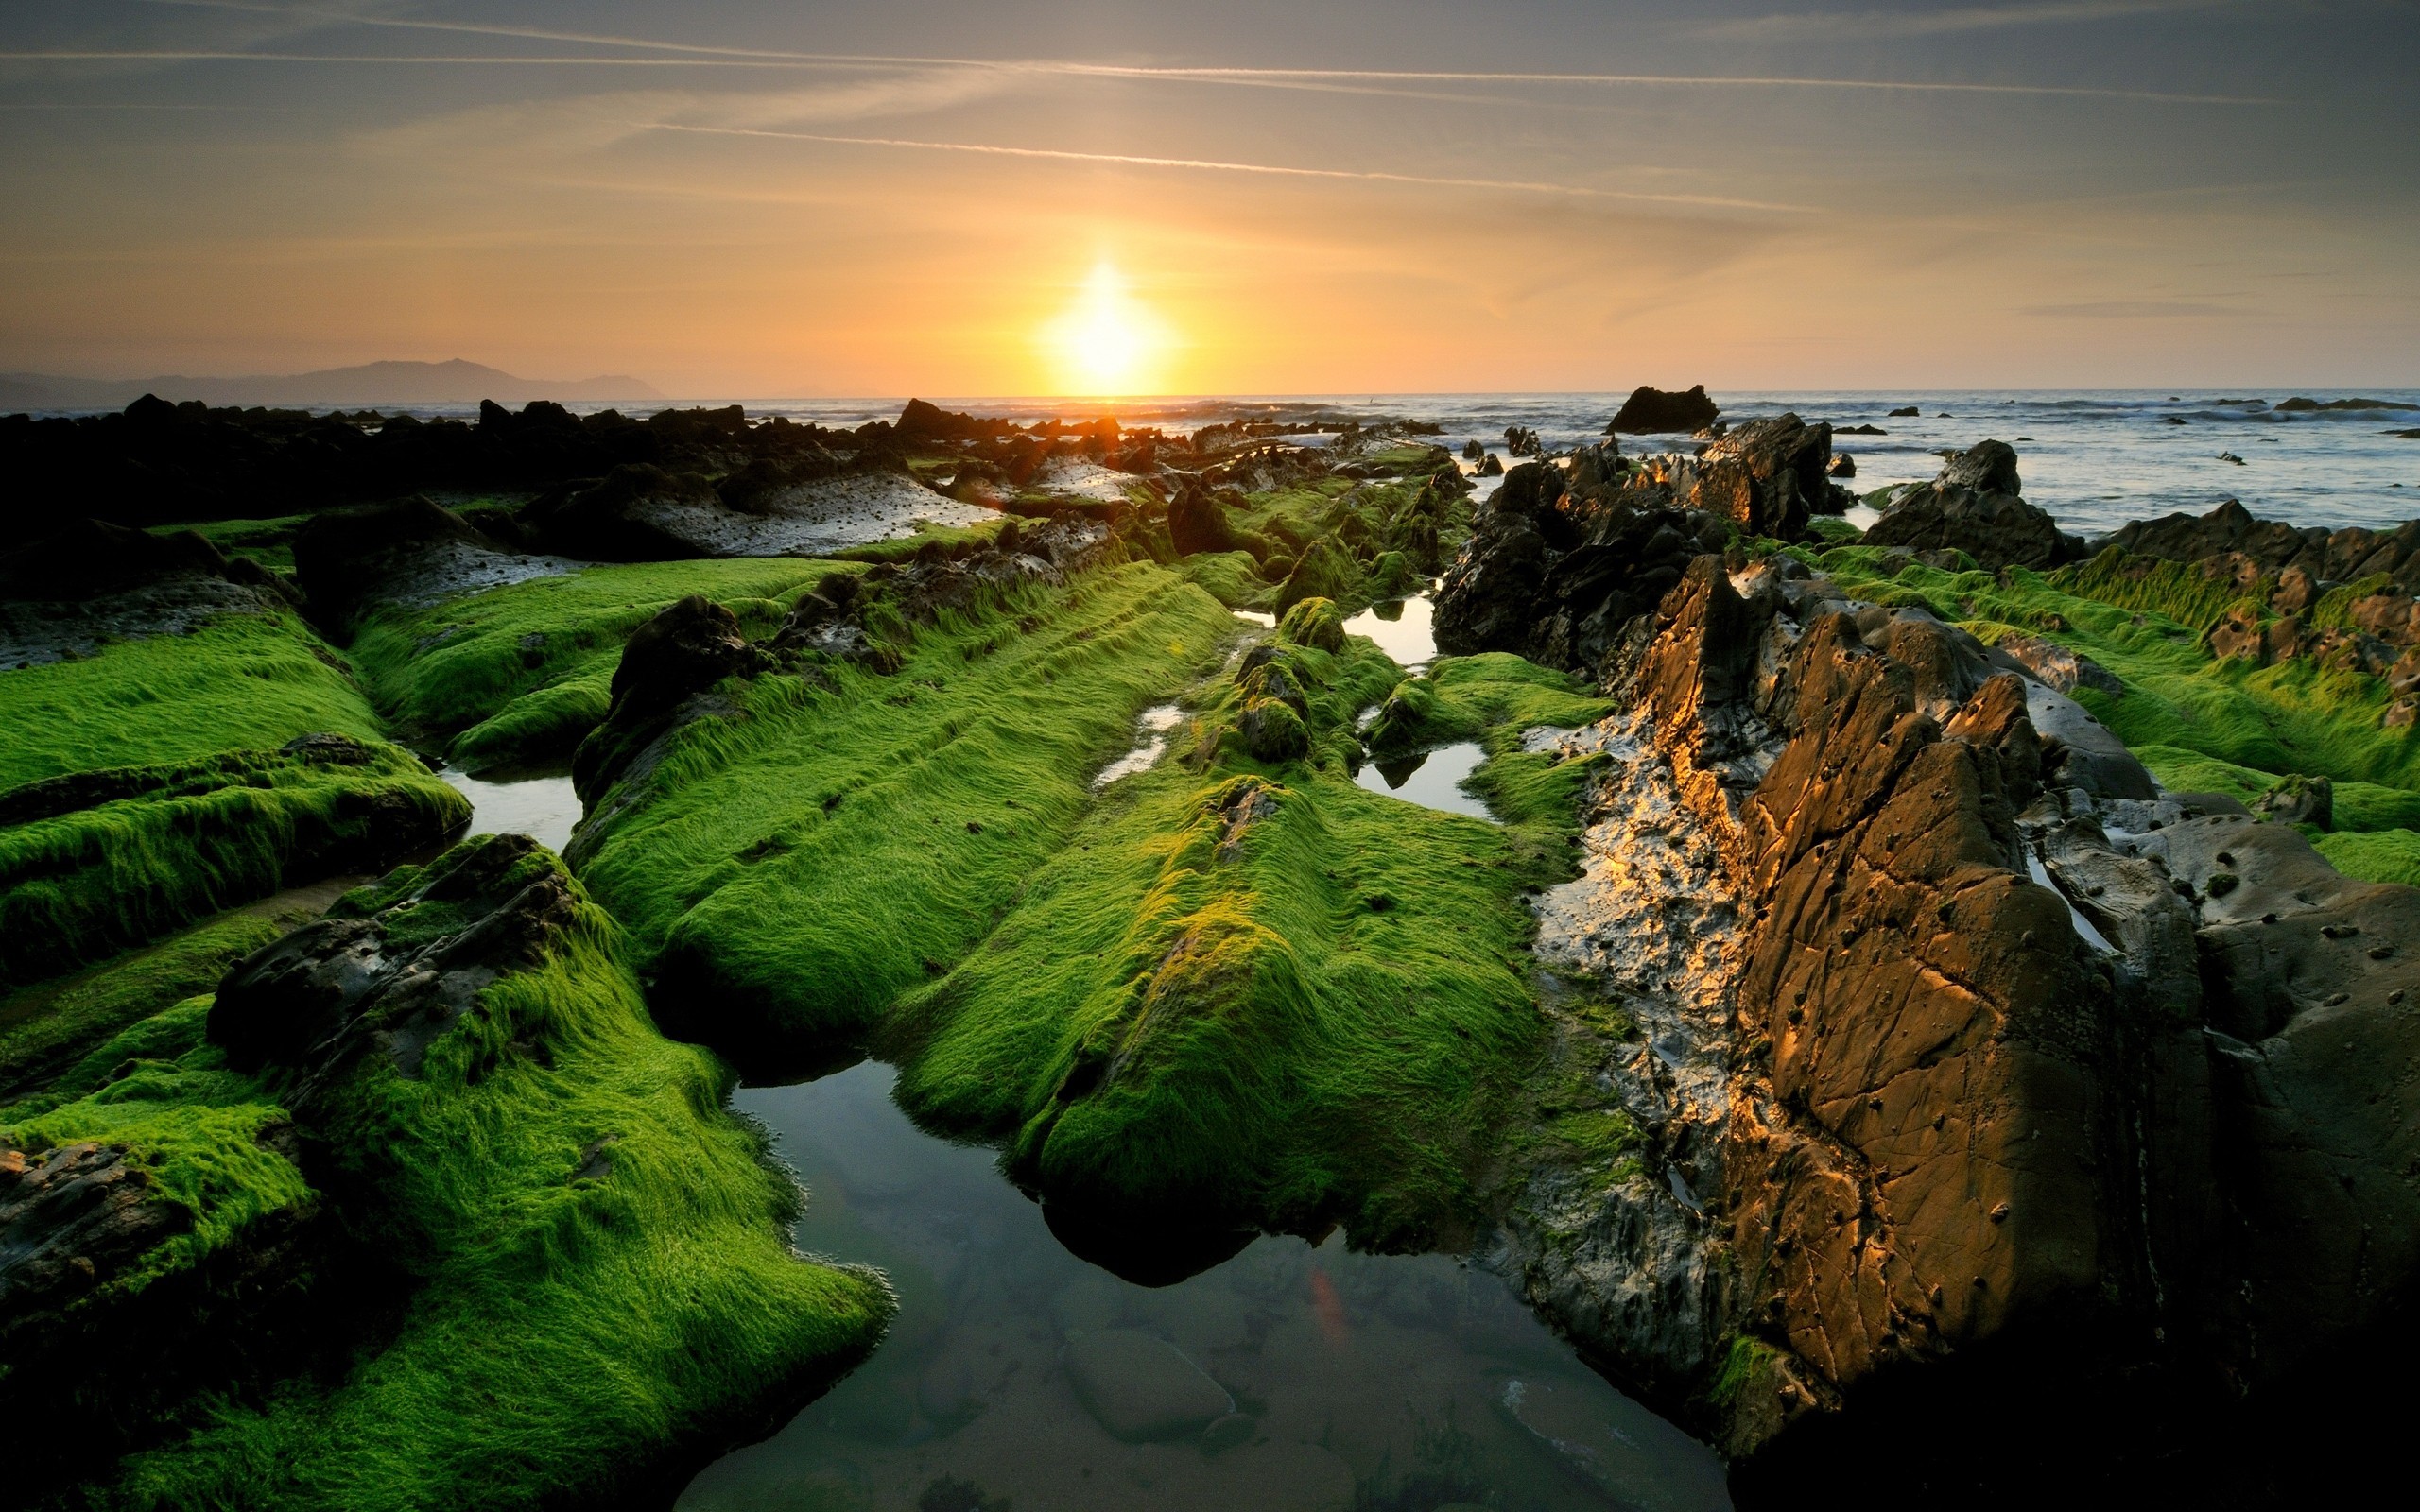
(1274, 170)
(2129, 310)
(1934, 23)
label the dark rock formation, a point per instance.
(2118, 1161)
(85, 560)
(686, 649)
(2300, 800)
(346, 984)
(1557, 578)
(1198, 521)
(1767, 476)
(2275, 547)
(346, 557)
(1650, 411)
(1974, 507)
(616, 520)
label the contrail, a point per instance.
(708, 54)
(1217, 166)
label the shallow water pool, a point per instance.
(535, 802)
(1286, 1377)
(1432, 779)
(1405, 629)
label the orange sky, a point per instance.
(2140, 195)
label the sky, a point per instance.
(736, 199)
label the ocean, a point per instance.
(2094, 459)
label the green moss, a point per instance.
(1253, 992)
(791, 869)
(270, 542)
(2198, 723)
(520, 673)
(2382, 856)
(1231, 578)
(45, 1027)
(242, 681)
(81, 884)
(949, 537)
(592, 1252)
(1325, 570)
(1743, 1364)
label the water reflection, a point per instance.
(1150, 742)
(1404, 630)
(535, 802)
(1287, 1376)
(1432, 779)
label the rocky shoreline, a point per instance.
(1914, 978)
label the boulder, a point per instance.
(2298, 799)
(685, 650)
(1140, 1388)
(1650, 411)
(1767, 476)
(1973, 506)
(623, 517)
(1198, 523)
(85, 560)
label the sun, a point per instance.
(1107, 342)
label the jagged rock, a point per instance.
(2059, 667)
(345, 985)
(91, 559)
(1272, 730)
(1654, 411)
(2341, 555)
(2298, 799)
(1198, 521)
(1946, 1143)
(1556, 579)
(1973, 506)
(72, 1218)
(1767, 476)
(685, 650)
(404, 551)
(1841, 466)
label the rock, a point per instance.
(1973, 506)
(1315, 623)
(1325, 570)
(72, 1218)
(1492, 467)
(2272, 546)
(1198, 523)
(1139, 1389)
(1767, 476)
(2302, 405)
(1273, 731)
(1905, 412)
(1654, 411)
(85, 560)
(1612, 1443)
(404, 551)
(1841, 466)
(2298, 799)
(2058, 666)
(627, 516)
(1230, 1432)
(356, 983)
(685, 650)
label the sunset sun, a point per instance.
(1106, 342)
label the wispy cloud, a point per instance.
(1933, 23)
(2128, 310)
(1357, 80)
(1217, 166)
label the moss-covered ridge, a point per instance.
(2199, 721)
(1252, 993)
(96, 863)
(838, 834)
(583, 1255)
(522, 672)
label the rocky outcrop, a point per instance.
(1555, 578)
(2275, 548)
(1655, 411)
(1767, 476)
(88, 582)
(404, 551)
(1974, 507)
(359, 983)
(1979, 1081)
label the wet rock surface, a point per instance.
(1975, 1074)
(1975, 506)
(391, 981)
(70, 592)
(404, 552)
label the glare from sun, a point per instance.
(1107, 342)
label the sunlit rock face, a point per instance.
(1975, 1073)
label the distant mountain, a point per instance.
(370, 385)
